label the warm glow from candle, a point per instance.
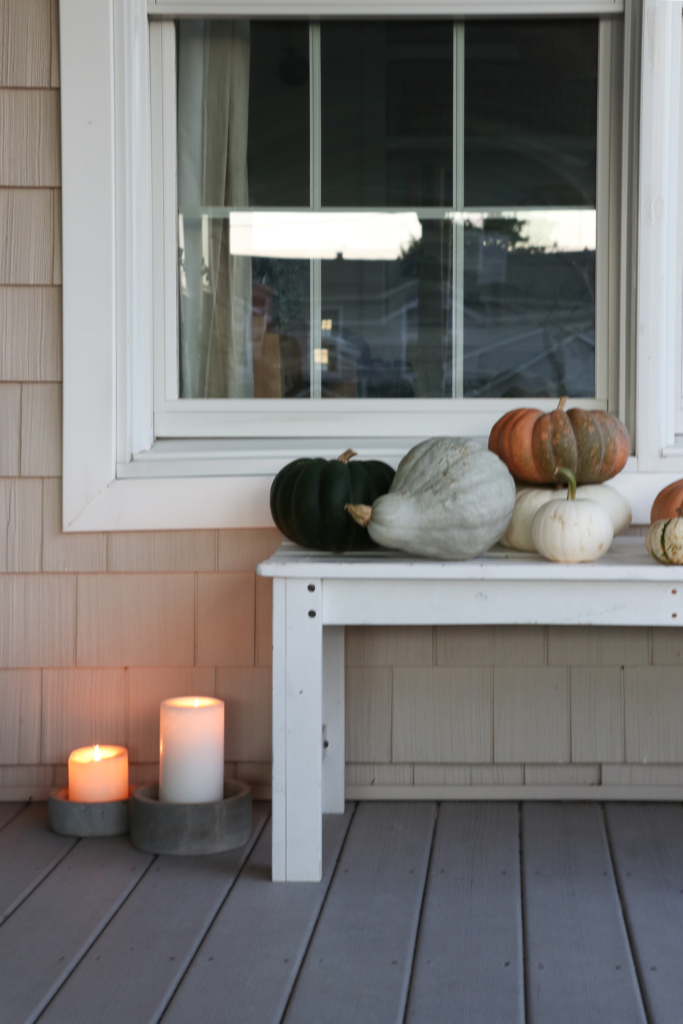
(98, 774)
(196, 702)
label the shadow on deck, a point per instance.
(489, 913)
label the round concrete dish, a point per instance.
(69, 818)
(190, 828)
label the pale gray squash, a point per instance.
(450, 499)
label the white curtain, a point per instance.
(215, 287)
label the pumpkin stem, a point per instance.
(361, 514)
(571, 480)
(562, 403)
(346, 456)
(680, 510)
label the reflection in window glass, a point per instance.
(531, 101)
(529, 298)
(387, 114)
(387, 324)
(244, 318)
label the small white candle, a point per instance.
(191, 750)
(98, 774)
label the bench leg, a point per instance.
(297, 730)
(333, 720)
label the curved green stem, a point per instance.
(571, 480)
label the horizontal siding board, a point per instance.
(597, 714)
(27, 239)
(46, 937)
(225, 618)
(579, 964)
(41, 430)
(442, 714)
(21, 525)
(469, 951)
(531, 715)
(20, 703)
(10, 428)
(260, 923)
(30, 334)
(38, 624)
(562, 774)
(68, 552)
(242, 550)
(147, 687)
(642, 774)
(136, 619)
(389, 645)
(653, 714)
(361, 952)
(81, 707)
(597, 645)
(29, 142)
(490, 645)
(151, 941)
(368, 714)
(166, 551)
(28, 852)
(379, 774)
(667, 647)
(469, 774)
(247, 693)
(25, 43)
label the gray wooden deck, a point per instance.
(475, 913)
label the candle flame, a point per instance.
(196, 702)
(97, 756)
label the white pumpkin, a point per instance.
(530, 499)
(450, 499)
(614, 504)
(664, 541)
(572, 529)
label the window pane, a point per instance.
(244, 318)
(531, 100)
(529, 297)
(243, 114)
(387, 323)
(387, 114)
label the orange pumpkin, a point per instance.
(668, 503)
(534, 445)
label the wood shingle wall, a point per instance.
(96, 629)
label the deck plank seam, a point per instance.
(20, 810)
(522, 912)
(320, 911)
(173, 988)
(37, 881)
(623, 905)
(43, 1004)
(419, 921)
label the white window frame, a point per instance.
(111, 307)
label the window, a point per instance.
(140, 454)
(405, 217)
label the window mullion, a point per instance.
(459, 203)
(315, 344)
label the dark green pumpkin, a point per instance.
(308, 496)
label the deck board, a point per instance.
(358, 964)
(579, 963)
(249, 961)
(28, 852)
(131, 971)
(8, 811)
(647, 846)
(469, 951)
(44, 939)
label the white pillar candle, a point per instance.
(191, 750)
(98, 774)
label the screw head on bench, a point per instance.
(311, 587)
(311, 614)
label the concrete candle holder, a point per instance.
(186, 829)
(72, 818)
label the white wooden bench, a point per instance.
(316, 595)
